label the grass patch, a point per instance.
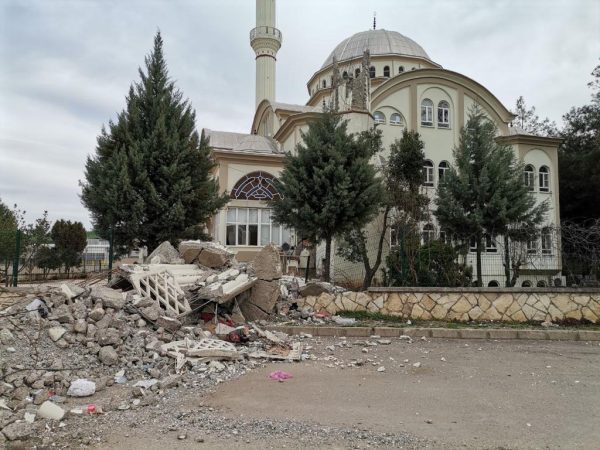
(366, 318)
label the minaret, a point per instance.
(265, 39)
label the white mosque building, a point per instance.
(395, 85)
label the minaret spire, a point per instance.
(265, 39)
(374, 20)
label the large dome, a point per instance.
(379, 42)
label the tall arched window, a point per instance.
(428, 173)
(529, 177)
(427, 113)
(544, 179)
(428, 233)
(443, 114)
(324, 83)
(379, 117)
(386, 71)
(345, 75)
(395, 119)
(372, 72)
(400, 69)
(442, 170)
(356, 73)
(256, 186)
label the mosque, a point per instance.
(374, 77)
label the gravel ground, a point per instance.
(473, 394)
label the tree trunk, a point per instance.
(507, 260)
(479, 280)
(327, 262)
(371, 271)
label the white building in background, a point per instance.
(397, 86)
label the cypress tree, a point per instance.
(150, 179)
(329, 186)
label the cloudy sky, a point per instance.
(66, 65)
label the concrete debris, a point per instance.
(50, 410)
(165, 253)
(81, 388)
(267, 263)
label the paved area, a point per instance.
(478, 394)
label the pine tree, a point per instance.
(150, 179)
(484, 192)
(69, 240)
(530, 122)
(329, 186)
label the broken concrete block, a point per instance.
(165, 253)
(232, 285)
(56, 333)
(108, 356)
(80, 326)
(110, 298)
(62, 314)
(189, 251)
(228, 274)
(49, 410)
(97, 313)
(265, 295)
(17, 430)
(81, 388)
(168, 323)
(267, 264)
(108, 336)
(252, 312)
(169, 381)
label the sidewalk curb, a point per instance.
(443, 333)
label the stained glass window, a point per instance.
(256, 186)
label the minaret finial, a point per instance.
(374, 20)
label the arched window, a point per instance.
(372, 72)
(256, 186)
(443, 114)
(490, 244)
(379, 117)
(324, 83)
(400, 69)
(526, 283)
(395, 119)
(428, 233)
(386, 71)
(427, 113)
(442, 170)
(493, 283)
(544, 179)
(529, 176)
(428, 173)
(356, 73)
(541, 283)
(345, 75)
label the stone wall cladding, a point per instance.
(467, 304)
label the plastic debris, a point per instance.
(280, 375)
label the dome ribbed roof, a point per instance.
(379, 42)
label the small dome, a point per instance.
(256, 144)
(379, 42)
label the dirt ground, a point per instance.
(482, 394)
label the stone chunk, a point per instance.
(190, 250)
(108, 336)
(81, 388)
(314, 289)
(169, 381)
(110, 298)
(267, 264)
(265, 295)
(17, 430)
(62, 314)
(49, 410)
(56, 333)
(214, 257)
(165, 253)
(168, 323)
(108, 355)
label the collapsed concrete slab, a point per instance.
(267, 264)
(265, 295)
(165, 253)
(207, 254)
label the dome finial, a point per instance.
(374, 20)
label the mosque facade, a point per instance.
(374, 77)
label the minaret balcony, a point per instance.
(264, 32)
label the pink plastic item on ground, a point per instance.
(280, 375)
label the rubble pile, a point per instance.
(188, 313)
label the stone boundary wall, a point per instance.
(465, 304)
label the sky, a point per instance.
(66, 66)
